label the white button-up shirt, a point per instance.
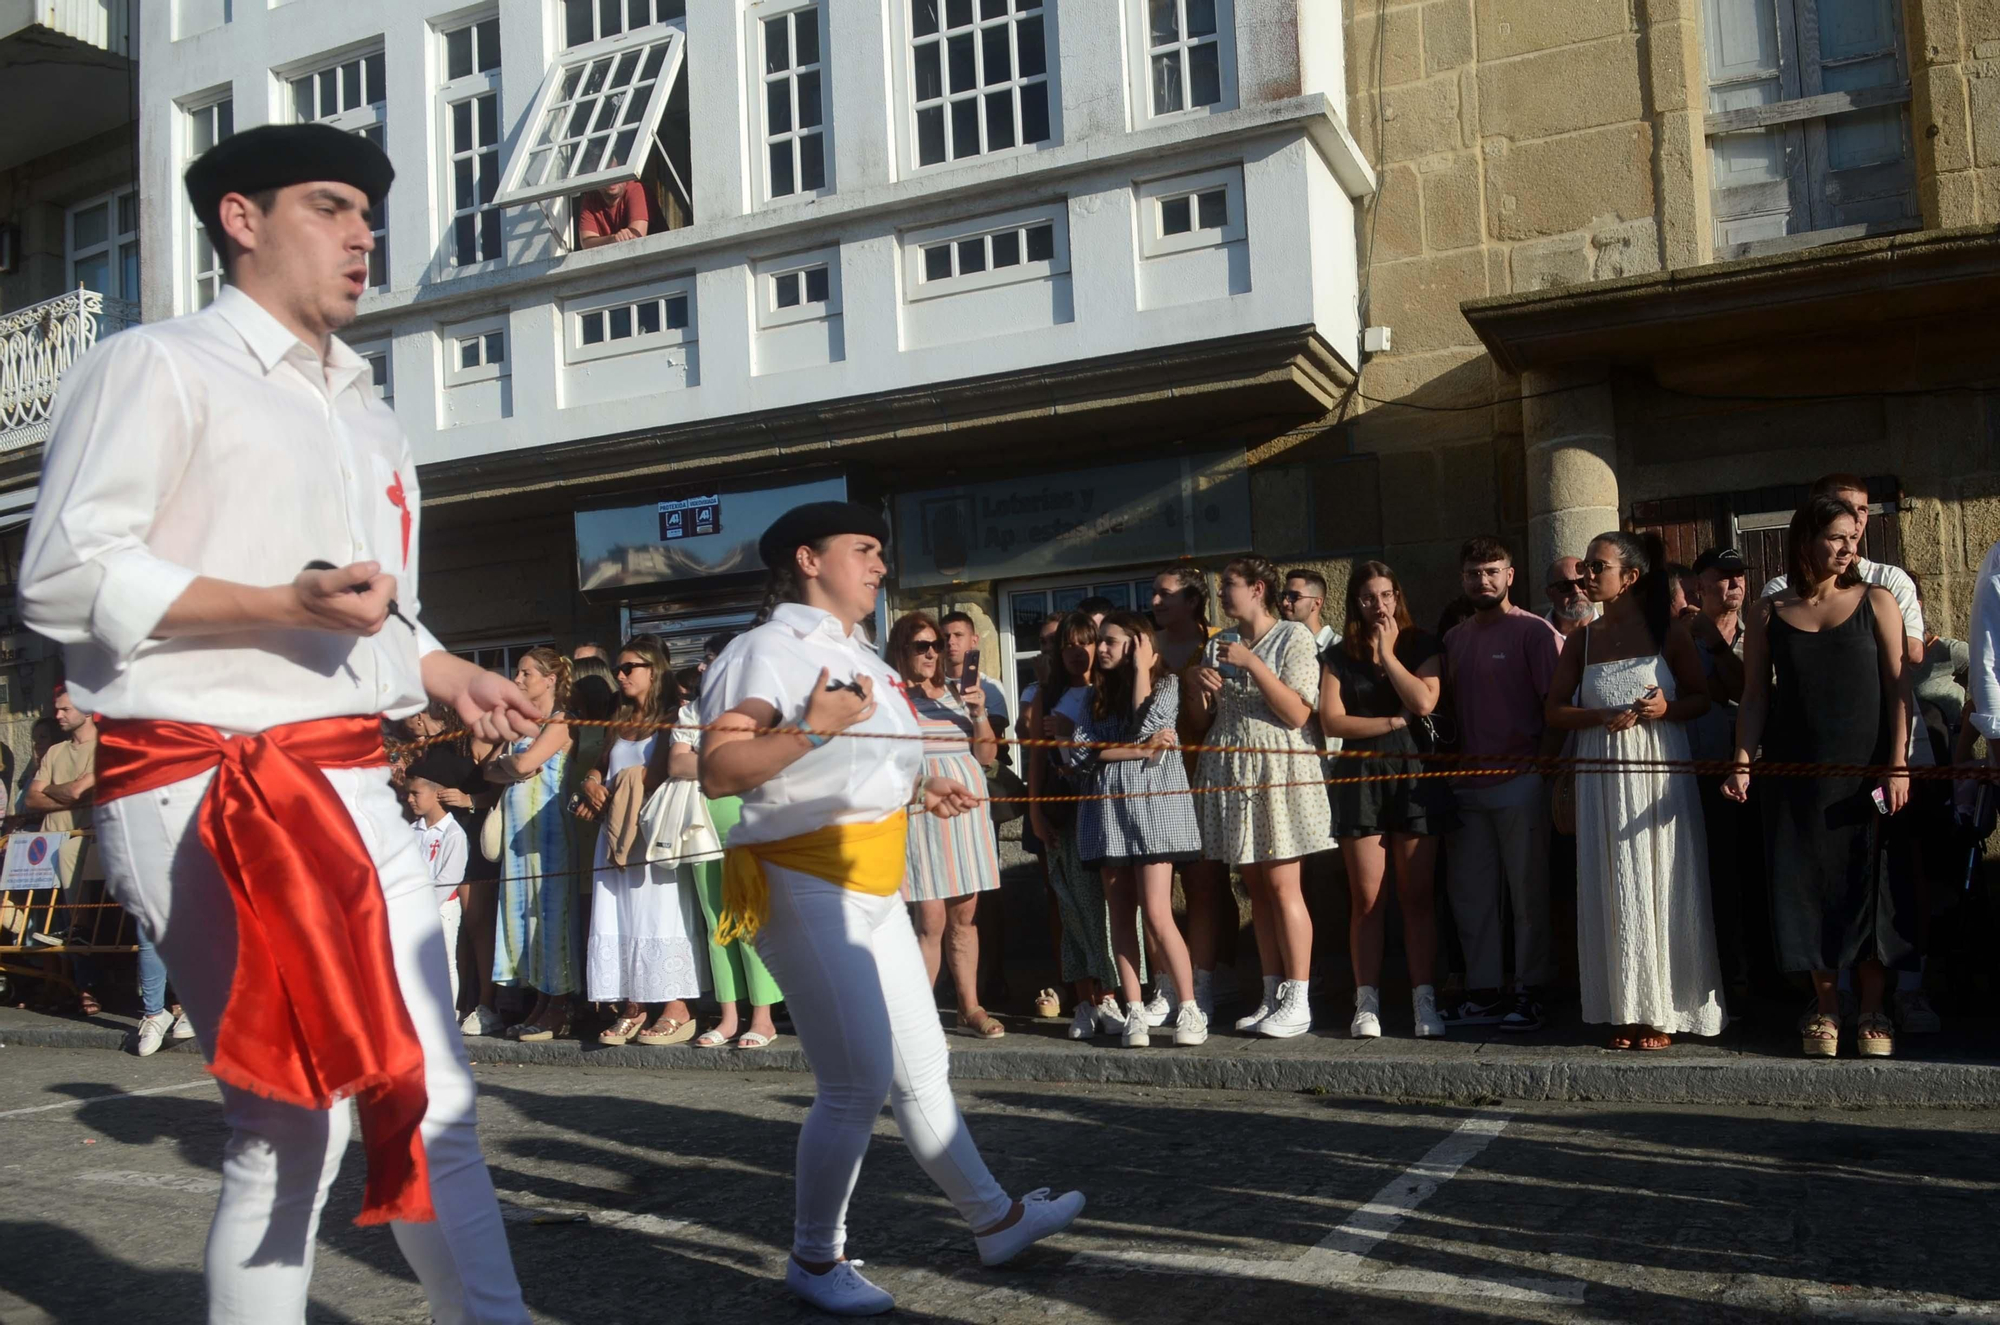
(1982, 679)
(853, 778)
(220, 444)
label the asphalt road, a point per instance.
(666, 1197)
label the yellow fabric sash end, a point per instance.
(869, 858)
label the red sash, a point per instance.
(315, 1012)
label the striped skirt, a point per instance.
(954, 857)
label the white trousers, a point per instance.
(450, 912)
(854, 982)
(281, 1160)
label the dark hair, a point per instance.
(662, 703)
(1076, 629)
(1456, 612)
(225, 247)
(949, 619)
(593, 688)
(1355, 637)
(1832, 485)
(1655, 589)
(1809, 522)
(902, 635)
(1310, 576)
(556, 665)
(784, 584)
(689, 680)
(1116, 687)
(1097, 605)
(1254, 569)
(1193, 590)
(1483, 550)
(602, 649)
(715, 644)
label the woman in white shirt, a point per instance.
(813, 874)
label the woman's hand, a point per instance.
(975, 703)
(1143, 655)
(830, 711)
(1618, 720)
(1165, 738)
(595, 794)
(947, 799)
(1737, 786)
(1651, 706)
(453, 799)
(1896, 790)
(1235, 653)
(1384, 644)
(1208, 681)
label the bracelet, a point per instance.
(813, 739)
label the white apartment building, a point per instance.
(1054, 279)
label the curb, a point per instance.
(1705, 1080)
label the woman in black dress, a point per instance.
(1382, 675)
(1823, 682)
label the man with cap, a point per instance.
(817, 735)
(197, 472)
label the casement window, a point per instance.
(1024, 246)
(794, 101)
(1808, 122)
(101, 243)
(377, 357)
(1189, 55)
(350, 94)
(468, 100)
(206, 126)
(586, 21)
(1191, 211)
(604, 325)
(803, 287)
(476, 352)
(979, 76)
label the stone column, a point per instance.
(1572, 462)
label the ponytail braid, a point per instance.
(556, 665)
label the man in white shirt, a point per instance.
(441, 843)
(242, 791)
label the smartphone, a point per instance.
(1650, 691)
(968, 680)
(1229, 672)
(1881, 799)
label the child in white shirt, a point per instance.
(442, 843)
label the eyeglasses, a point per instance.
(626, 669)
(1599, 567)
(924, 646)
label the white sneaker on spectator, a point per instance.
(482, 1020)
(1110, 1019)
(1914, 1013)
(1041, 1217)
(151, 1034)
(1367, 1023)
(183, 1028)
(1430, 1026)
(841, 1291)
(1084, 1024)
(1138, 1030)
(1157, 1009)
(1264, 1009)
(1293, 1015)
(1204, 993)
(1190, 1027)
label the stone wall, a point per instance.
(1955, 90)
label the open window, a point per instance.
(602, 118)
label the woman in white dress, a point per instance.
(1626, 684)
(646, 944)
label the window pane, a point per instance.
(971, 255)
(777, 45)
(1204, 74)
(964, 75)
(350, 86)
(621, 323)
(378, 262)
(378, 369)
(128, 213)
(930, 81)
(373, 79)
(496, 347)
(809, 99)
(201, 127)
(489, 175)
(781, 169)
(649, 317)
(489, 234)
(1175, 216)
(812, 162)
(677, 313)
(930, 136)
(92, 226)
(999, 120)
(94, 273)
(1028, 42)
(1212, 209)
(1041, 243)
(576, 22)
(998, 53)
(656, 60)
(778, 106)
(965, 127)
(468, 352)
(595, 75)
(461, 126)
(489, 45)
(465, 240)
(489, 120)
(1007, 249)
(628, 64)
(805, 24)
(225, 120)
(302, 111)
(610, 22)
(1167, 83)
(992, 8)
(462, 197)
(957, 13)
(1200, 17)
(1166, 22)
(458, 53)
(817, 282)
(593, 155)
(128, 269)
(923, 17)
(638, 13)
(937, 263)
(593, 328)
(329, 93)
(787, 287)
(1035, 113)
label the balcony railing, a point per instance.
(37, 345)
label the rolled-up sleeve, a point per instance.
(120, 437)
(1982, 681)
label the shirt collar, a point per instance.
(805, 621)
(272, 342)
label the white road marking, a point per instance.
(197, 1183)
(114, 1095)
(1341, 1257)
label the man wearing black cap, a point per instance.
(244, 807)
(1735, 846)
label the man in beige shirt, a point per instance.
(60, 792)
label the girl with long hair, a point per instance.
(813, 873)
(1383, 676)
(537, 938)
(645, 920)
(1133, 833)
(953, 860)
(1180, 618)
(1259, 685)
(1627, 683)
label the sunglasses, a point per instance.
(626, 669)
(924, 646)
(1293, 596)
(1566, 586)
(1600, 567)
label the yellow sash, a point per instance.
(865, 857)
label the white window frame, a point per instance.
(660, 10)
(577, 307)
(487, 370)
(770, 272)
(514, 191)
(906, 71)
(212, 273)
(114, 239)
(1054, 215)
(1153, 196)
(369, 118)
(452, 93)
(760, 81)
(382, 352)
(1138, 14)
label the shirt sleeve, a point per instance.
(688, 732)
(1777, 585)
(451, 855)
(996, 702)
(1298, 663)
(1544, 651)
(743, 675)
(1904, 590)
(1165, 709)
(1982, 682)
(120, 438)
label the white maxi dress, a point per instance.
(646, 941)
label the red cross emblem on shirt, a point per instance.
(402, 503)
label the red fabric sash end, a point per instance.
(315, 1012)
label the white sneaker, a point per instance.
(1040, 1218)
(1293, 1015)
(1138, 1029)
(841, 1291)
(1110, 1020)
(1264, 1009)
(1204, 993)
(1367, 1023)
(183, 1029)
(1157, 1009)
(151, 1034)
(1430, 1026)
(1914, 1013)
(482, 1020)
(1084, 1024)
(1190, 1027)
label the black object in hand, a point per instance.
(394, 611)
(837, 684)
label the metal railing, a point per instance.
(37, 346)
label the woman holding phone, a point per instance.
(813, 873)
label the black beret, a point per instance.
(814, 521)
(272, 156)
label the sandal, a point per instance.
(1048, 1005)
(87, 1003)
(674, 1032)
(622, 1030)
(1874, 1035)
(982, 1024)
(1652, 1041)
(1819, 1036)
(711, 1040)
(753, 1040)
(1620, 1039)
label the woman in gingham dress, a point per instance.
(1146, 824)
(951, 861)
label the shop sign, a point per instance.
(1117, 515)
(690, 517)
(680, 537)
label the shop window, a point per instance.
(979, 77)
(351, 94)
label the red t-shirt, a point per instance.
(629, 200)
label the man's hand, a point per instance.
(352, 600)
(493, 708)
